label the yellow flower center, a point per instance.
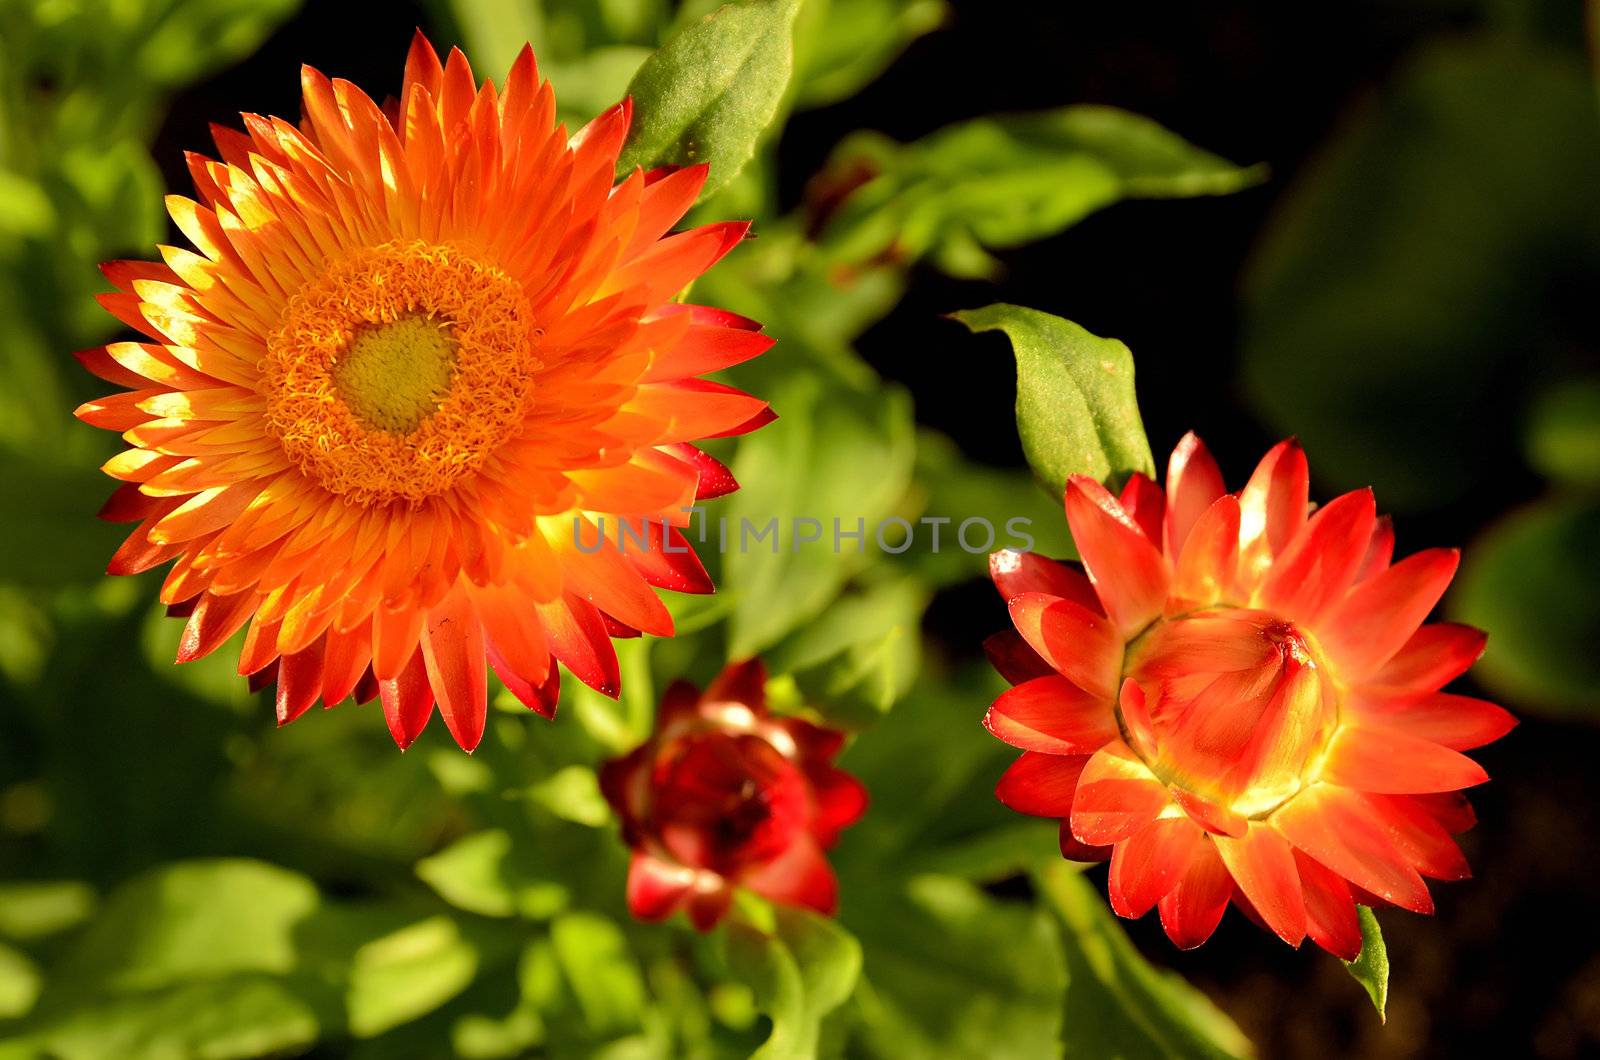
(394, 376)
(1237, 708)
(399, 370)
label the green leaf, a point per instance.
(831, 458)
(233, 1018)
(192, 37)
(494, 31)
(601, 972)
(1076, 409)
(1002, 181)
(949, 971)
(932, 774)
(711, 91)
(843, 45)
(865, 647)
(800, 973)
(1117, 1004)
(572, 793)
(1528, 582)
(1371, 966)
(198, 958)
(1381, 322)
(1564, 433)
(189, 920)
(406, 974)
(483, 874)
(32, 909)
(19, 983)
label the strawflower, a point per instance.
(1240, 702)
(726, 795)
(415, 356)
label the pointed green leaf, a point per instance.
(998, 182)
(843, 45)
(408, 973)
(484, 873)
(1371, 966)
(601, 971)
(1076, 409)
(710, 92)
(1117, 1003)
(949, 971)
(1528, 582)
(800, 973)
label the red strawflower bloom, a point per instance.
(1240, 702)
(419, 359)
(725, 794)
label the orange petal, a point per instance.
(452, 649)
(1457, 722)
(800, 876)
(1146, 505)
(299, 681)
(656, 888)
(204, 513)
(706, 349)
(1262, 864)
(578, 638)
(1205, 567)
(345, 658)
(1320, 562)
(1330, 911)
(1191, 910)
(1015, 573)
(1053, 715)
(1434, 656)
(394, 640)
(1273, 505)
(1117, 795)
(1041, 785)
(1390, 762)
(1129, 574)
(407, 700)
(1194, 482)
(1380, 614)
(1333, 826)
(1380, 550)
(1149, 863)
(740, 682)
(1080, 645)
(213, 620)
(1421, 839)
(1214, 818)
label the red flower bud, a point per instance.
(725, 794)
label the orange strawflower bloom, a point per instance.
(1240, 702)
(419, 354)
